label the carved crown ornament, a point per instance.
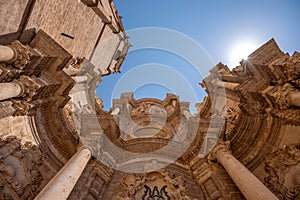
(153, 185)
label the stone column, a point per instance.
(60, 187)
(10, 90)
(251, 187)
(294, 98)
(24, 86)
(6, 54)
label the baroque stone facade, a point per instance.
(243, 143)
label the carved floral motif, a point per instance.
(22, 53)
(174, 186)
(131, 184)
(22, 107)
(278, 164)
(282, 96)
(20, 176)
(30, 87)
(292, 69)
(8, 73)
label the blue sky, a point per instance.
(218, 27)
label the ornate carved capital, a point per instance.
(282, 96)
(22, 107)
(221, 147)
(22, 55)
(30, 87)
(8, 73)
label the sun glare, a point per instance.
(239, 51)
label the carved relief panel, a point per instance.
(20, 176)
(283, 169)
(153, 185)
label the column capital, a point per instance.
(29, 85)
(21, 107)
(22, 55)
(220, 147)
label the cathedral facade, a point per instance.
(57, 141)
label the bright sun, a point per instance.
(239, 51)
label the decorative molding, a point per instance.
(292, 69)
(30, 87)
(20, 175)
(278, 164)
(8, 73)
(22, 107)
(220, 147)
(232, 118)
(282, 96)
(22, 55)
(153, 184)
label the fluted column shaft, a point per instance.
(60, 187)
(251, 187)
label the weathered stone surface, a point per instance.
(57, 17)
(255, 107)
(11, 15)
(18, 127)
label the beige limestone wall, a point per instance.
(69, 17)
(17, 126)
(11, 15)
(105, 51)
